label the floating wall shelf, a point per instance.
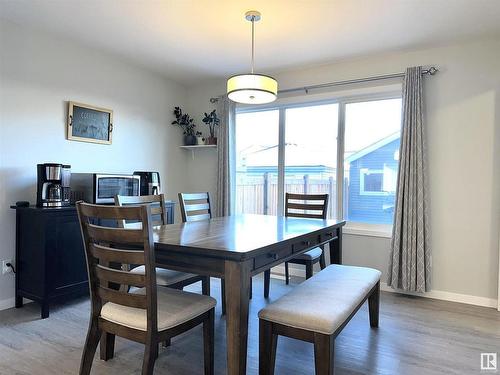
(197, 147)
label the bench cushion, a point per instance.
(325, 301)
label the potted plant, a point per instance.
(199, 138)
(212, 121)
(187, 124)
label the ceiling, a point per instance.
(191, 40)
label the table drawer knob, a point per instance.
(273, 256)
(306, 243)
(329, 234)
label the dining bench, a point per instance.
(316, 311)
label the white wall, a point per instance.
(463, 131)
(39, 74)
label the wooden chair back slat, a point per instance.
(115, 235)
(156, 211)
(110, 213)
(105, 246)
(319, 210)
(304, 206)
(157, 203)
(107, 254)
(195, 206)
(309, 197)
(122, 298)
(304, 215)
(194, 196)
(107, 274)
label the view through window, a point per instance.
(257, 141)
(310, 143)
(311, 151)
(371, 160)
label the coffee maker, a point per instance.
(150, 183)
(53, 185)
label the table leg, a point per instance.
(336, 248)
(237, 279)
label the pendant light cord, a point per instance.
(253, 40)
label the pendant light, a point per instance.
(252, 88)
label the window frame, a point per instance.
(381, 230)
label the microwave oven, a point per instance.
(101, 188)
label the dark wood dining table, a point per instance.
(236, 248)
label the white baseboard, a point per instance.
(446, 296)
(7, 303)
(435, 294)
(11, 302)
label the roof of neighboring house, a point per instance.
(371, 148)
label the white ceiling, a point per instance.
(189, 40)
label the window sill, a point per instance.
(370, 230)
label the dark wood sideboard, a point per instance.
(50, 260)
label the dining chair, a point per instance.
(196, 207)
(314, 206)
(145, 313)
(164, 277)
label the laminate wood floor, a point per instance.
(416, 336)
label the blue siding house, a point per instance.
(372, 182)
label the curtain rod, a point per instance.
(431, 71)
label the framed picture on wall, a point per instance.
(87, 123)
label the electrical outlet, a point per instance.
(6, 269)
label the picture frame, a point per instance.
(88, 123)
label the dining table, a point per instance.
(235, 248)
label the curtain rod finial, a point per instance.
(432, 70)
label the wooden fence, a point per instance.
(259, 194)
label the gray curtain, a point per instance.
(410, 260)
(225, 144)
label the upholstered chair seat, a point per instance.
(166, 277)
(174, 307)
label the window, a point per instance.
(371, 160)
(294, 148)
(311, 151)
(257, 142)
(371, 182)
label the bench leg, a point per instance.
(374, 305)
(267, 348)
(323, 353)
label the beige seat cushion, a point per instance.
(165, 277)
(322, 303)
(174, 307)
(311, 254)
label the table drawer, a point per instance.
(305, 243)
(271, 257)
(328, 236)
